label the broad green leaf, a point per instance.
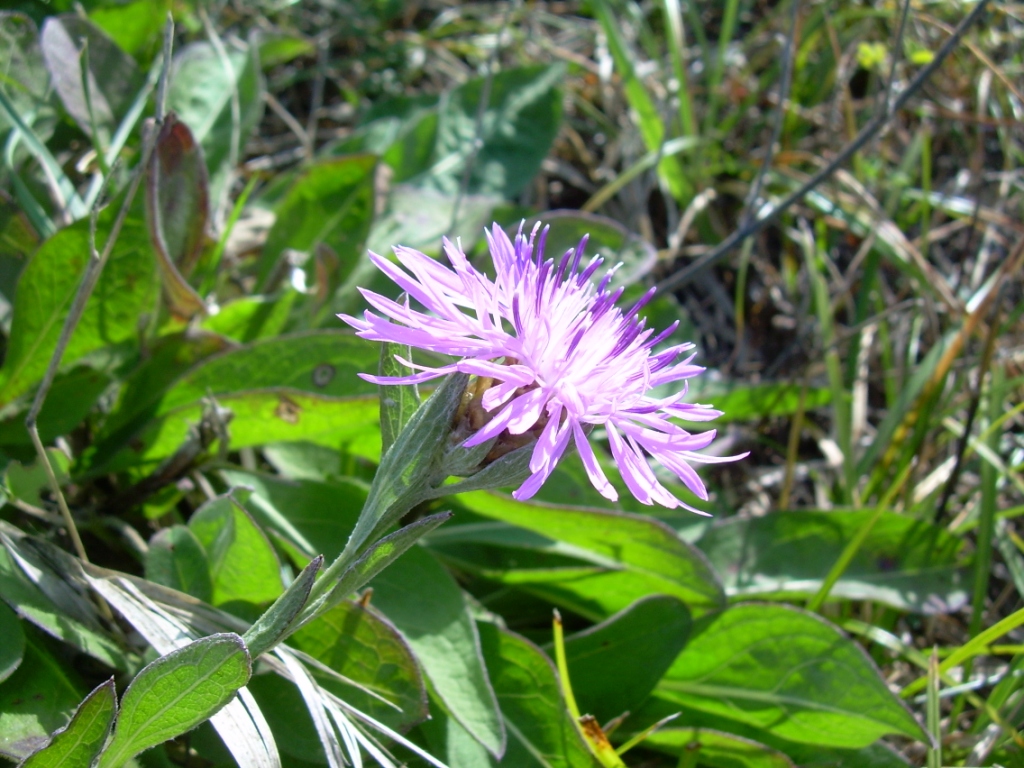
(98, 96)
(905, 563)
(200, 93)
(616, 664)
(789, 672)
(167, 359)
(314, 516)
(560, 573)
(36, 700)
(243, 565)
(134, 26)
(270, 628)
(27, 482)
(541, 731)
(73, 395)
(716, 749)
(288, 717)
(398, 402)
(12, 642)
(18, 241)
(372, 561)
(248, 318)
(77, 744)
(125, 291)
(305, 461)
(419, 218)
(325, 363)
(401, 130)
(176, 693)
(176, 559)
(618, 542)
(260, 417)
(263, 384)
(615, 243)
(277, 48)
(452, 743)
(29, 602)
(519, 122)
(21, 62)
(747, 402)
(177, 209)
(655, 708)
(358, 643)
(429, 609)
(329, 208)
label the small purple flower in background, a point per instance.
(564, 358)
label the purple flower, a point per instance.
(564, 359)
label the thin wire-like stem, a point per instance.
(687, 273)
(897, 56)
(785, 82)
(93, 270)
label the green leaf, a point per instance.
(77, 744)
(655, 709)
(36, 700)
(397, 402)
(177, 209)
(176, 559)
(125, 291)
(263, 384)
(306, 461)
(288, 717)
(318, 362)
(248, 318)
(73, 395)
(267, 416)
(313, 516)
(419, 218)
(716, 749)
(508, 141)
(747, 402)
(134, 26)
(452, 743)
(21, 61)
(29, 602)
(27, 482)
(789, 672)
(616, 664)
(541, 731)
(176, 693)
(401, 130)
(98, 97)
(375, 559)
(200, 92)
(364, 647)
(427, 606)
(329, 207)
(12, 642)
(270, 628)
(243, 565)
(644, 550)
(905, 563)
(167, 359)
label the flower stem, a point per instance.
(587, 726)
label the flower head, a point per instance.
(562, 356)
